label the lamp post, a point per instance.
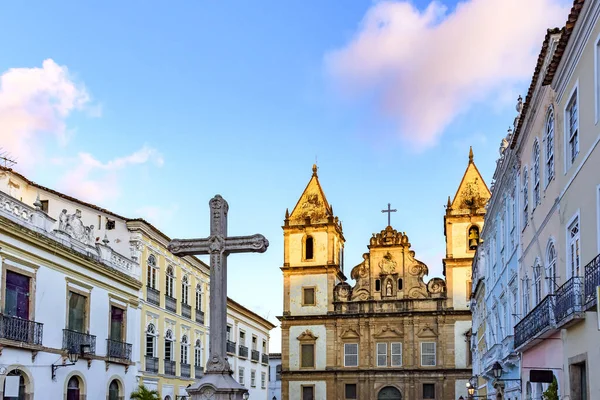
(497, 372)
(73, 356)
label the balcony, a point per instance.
(243, 351)
(265, 359)
(198, 371)
(118, 350)
(152, 296)
(199, 317)
(186, 310)
(169, 367)
(185, 370)
(255, 355)
(569, 302)
(592, 280)
(535, 324)
(170, 303)
(73, 340)
(21, 330)
(230, 347)
(152, 364)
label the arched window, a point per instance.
(184, 350)
(525, 196)
(150, 341)
(113, 390)
(537, 282)
(536, 173)
(551, 268)
(73, 389)
(169, 345)
(151, 272)
(170, 281)
(198, 297)
(377, 285)
(309, 248)
(185, 290)
(198, 356)
(549, 138)
(473, 237)
(400, 284)
(22, 386)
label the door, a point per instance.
(389, 393)
(73, 389)
(16, 303)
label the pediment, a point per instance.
(350, 333)
(307, 335)
(427, 332)
(388, 331)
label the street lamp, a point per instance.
(245, 396)
(73, 356)
(497, 372)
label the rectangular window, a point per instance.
(308, 393)
(572, 121)
(198, 300)
(45, 206)
(242, 338)
(308, 355)
(264, 346)
(308, 296)
(253, 378)
(117, 318)
(110, 224)
(197, 356)
(396, 354)
(428, 354)
(229, 333)
(150, 345)
(574, 248)
(278, 372)
(428, 391)
(77, 312)
(351, 355)
(16, 299)
(254, 342)
(241, 376)
(168, 350)
(263, 380)
(350, 391)
(184, 354)
(382, 354)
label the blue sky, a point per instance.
(163, 105)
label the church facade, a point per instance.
(391, 335)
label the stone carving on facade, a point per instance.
(342, 292)
(387, 264)
(436, 286)
(350, 333)
(427, 331)
(388, 331)
(389, 237)
(471, 198)
(307, 335)
(72, 225)
(360, 274)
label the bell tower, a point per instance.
(463, 223)
(313, 253)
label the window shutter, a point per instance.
(396, 354)
(382, 354)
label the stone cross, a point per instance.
(389, 212)
(218, 245)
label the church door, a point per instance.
(389, 393)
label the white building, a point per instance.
(66, 295)
(274, 376)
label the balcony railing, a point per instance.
(265, 358)
(73, 341)
(230, 347)
(185, 370)
(569, 300)
(186, 310)
(199, 317)
(118, 349)
(170, 303)
(534, 323)
(243, 351)
(152, 296)
(169, 367)
(255, 355)
(198, 371)
(592, 279)
(21, 330)
(152, 364)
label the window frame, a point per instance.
(549, 136)
(154, 336)
(346, 385)
(198, 304)
(314, 289)
(31, 273)
(253, 378)
(302, 391)
(392, 354)
(422, 354)
(346, 354)
(185, 290)
(525, 196)
(241, 376)
(314, 357)
(568, 136)
(381, 354)
(170, 281)
(152, 272)
(536, 172)
(198, 353)
(423, 390)
(86, 295)
(124, 322)
(575, 220)
(305, 248)
(263, 380)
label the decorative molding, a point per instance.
(307, 335)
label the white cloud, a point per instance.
(158, 216)
(426, 67)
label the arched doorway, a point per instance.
(389, 393)
(21, 389)
(73, 389)
(113, 390)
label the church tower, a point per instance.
(463, 223)
(313, 253)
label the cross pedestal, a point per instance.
(217, 382)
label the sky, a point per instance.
(150, 108)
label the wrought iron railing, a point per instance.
(540, 318)
(21, 330)
(118, 349)
(568, 298)
(243, 352)
(152, 295)
(255, 355)
(265, 358)
(152, 364)
(198, 371)
(170, 303)
(199, 317)
(230, 347)
(75, 341)
(592, 280)
(185, 370)
(186, 310)
(169, 367)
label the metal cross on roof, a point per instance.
(389, 212)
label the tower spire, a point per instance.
(470, 154)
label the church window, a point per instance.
(549, 139)
(350, 391)
(308, 296)
(396, 354)
(309, 245)
(170, 281)
(525, 196)
(382, 354)
(308, 392)
(429, 391)
(307, 351)
(400, 284)
(536, 173)
(377, 285)
(184, 350)
(151, 277)
(351, 355)
(428, 355)
(473, 237)
(185, 290)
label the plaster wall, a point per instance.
(320, 346)
(460, 235)
(274, 384)
(460, 343)
(296, 248)
(319, 282)
(578, 342)
(295, 387)
(460, 277)
(460, 388)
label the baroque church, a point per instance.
(392, 335)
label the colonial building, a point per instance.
(274, 376)
(391, 335)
